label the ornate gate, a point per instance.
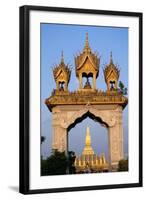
(67, 107)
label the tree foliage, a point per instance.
(58, 163)
(71, 160)
(123, 165)
(122, 88)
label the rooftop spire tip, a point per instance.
(62, 57)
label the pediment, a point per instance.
(87, 64)
(112, 74)
(61, 74)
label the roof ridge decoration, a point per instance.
(111, 74)
(87, 64)
(87, 48)
(62, 73)
(62, 57)
(86, 95)
(87, 53)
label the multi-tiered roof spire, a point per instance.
(87, 65)
(88, 148)
(62, 74)
(87, 47)
(111, 75)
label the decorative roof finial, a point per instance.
(86, 48)
(111, 58)
(62, 57)
(87, 43)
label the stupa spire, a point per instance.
(88, 148)
(88, 137)
(87, 47)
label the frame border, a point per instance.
(24, 15)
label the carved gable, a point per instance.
(87, 61)
(112, 75)
(61, 75)
(87, 66)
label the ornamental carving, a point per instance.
(62, 75)
(106, 117)
(87, 65)
(85, 98)
(111, 75)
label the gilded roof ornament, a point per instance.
(62, 57)
(111, 67)
(87, 62)
(62, 73)
(111, 58)
(87, 47)
(111, 73)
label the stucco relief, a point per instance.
(106, 116)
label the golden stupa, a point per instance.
(88, 148)
(89, 161)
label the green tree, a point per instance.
(44, 167)
(56, 164)
(71, 160)
(123, 165)
(122, 88)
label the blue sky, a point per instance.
(70, 39)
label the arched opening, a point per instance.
(112, 85)
(61, 85)
(87, 80)
(99, 141)
(84, 116)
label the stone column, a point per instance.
(108, 86)
(116, 84)
(59, 138)
(116, 142)
(94, 81)
(80, 81)
(57, 85)
(65, 86)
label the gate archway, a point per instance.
(64, 117)
(97, 131)
(67, 107)
(84, 116)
